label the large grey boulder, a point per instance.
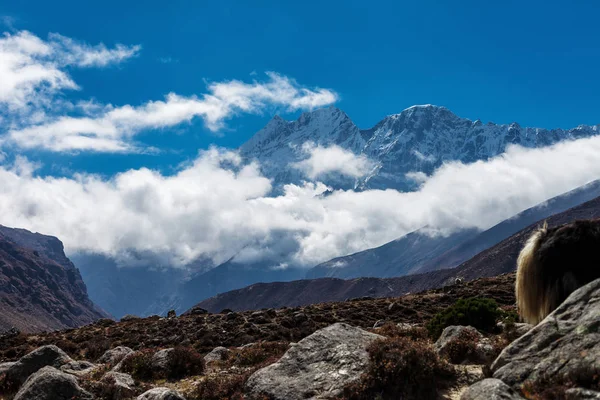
(161, 359)
(49, 355)
(217, 354)
(50, 384)
(564, 347)
(160, 393)
(114, 356)
(490, 389)
(317, 367)
(123, 384)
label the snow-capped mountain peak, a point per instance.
(418, 139)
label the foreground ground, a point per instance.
(251, 339)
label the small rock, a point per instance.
(581, 394)
(217, 354)
(160, 393)
(114, 356)
(49, 355)
(124, 384)
(231, 316)
(171, 314)
(129, 317)
(78, 368)
(197, 311)
(226, 311)
(490, 389)
(50, 384)
(300, 317)
(379, 324)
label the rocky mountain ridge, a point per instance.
(40, 289)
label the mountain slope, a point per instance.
(40, 289)
(494, 261)
(418, 252)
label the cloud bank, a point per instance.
(35, 115)
(217, 206)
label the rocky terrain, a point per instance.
(40, 289)
(498, 259)
(250, 339)
(459, 342)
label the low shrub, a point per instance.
(139, 365)
(184, 361)
(480, 313)
(401, 368)
(219, 387)
(393, 330)
(95, 348)
(259, 354)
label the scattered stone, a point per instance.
(129, 317)
(406, 326)
(217, 354)
(300, 317)
(124, 385)
(231, 316)
(197, 311)
(78, 368)
(114, 356)
(49, 355)
(160, 393)
(490, 389)
(581, 394)
(318, 366)
(564, 347)
(226, 311)
(515, 330)
(171, 314)
(50, 384)
(379, 324)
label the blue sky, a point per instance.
(92, 89)
(534, 63)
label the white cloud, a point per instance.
(217, 206)
(32, 69)
(324, 160)
(71, 52)
(34, 75)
